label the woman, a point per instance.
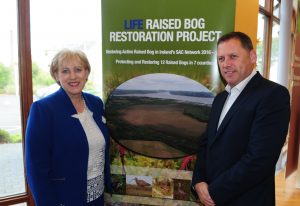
(67, 141)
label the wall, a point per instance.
(246, 17)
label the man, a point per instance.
(247, 128)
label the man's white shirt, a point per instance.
(233, 94)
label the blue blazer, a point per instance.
(56, 150)
(238, 160)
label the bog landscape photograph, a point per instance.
(159, 115)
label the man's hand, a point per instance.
(203, 194)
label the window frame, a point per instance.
(25, 89)
(267, 12)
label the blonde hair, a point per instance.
(65, 55)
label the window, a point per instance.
(55, 24)
(261, 52)
(274, 52)
(12, 180)
(58, 24)
(268, 38)
(262, 3)
(276, 8)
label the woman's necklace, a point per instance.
(84, 104)
(80, 105)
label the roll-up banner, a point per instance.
(160, 76)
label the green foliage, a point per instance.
(4, 136)
(275, 47)
(15, 138)
(260, 54)
(200, 113)
(5, 77)
(134, 159)
(90, 87)
(40, 78)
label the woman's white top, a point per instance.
(96, 160)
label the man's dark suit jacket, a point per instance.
(238, 160)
